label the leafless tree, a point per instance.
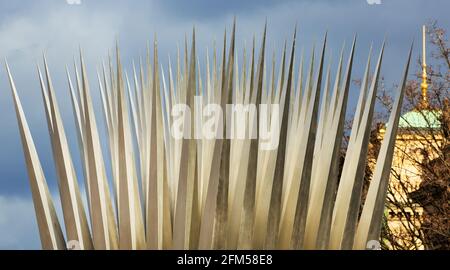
(423, 210)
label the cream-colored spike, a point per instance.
(150, 189)
(163, 201)
(291, 214)
(105, 105)
(112, 136)
(79, 91)
(137, 101)
(79, 123)
(371, 216)
(323, 110)
(307, 89)
(280, 163)
(346, 208)
(164, 167)
(74, 215)
(131, 226)
(49, 229)
(221, 218)
(239, 161)
(210, 200)
(102, 215)
(265, 187)
(155, 199)
(172, 168)
(188, 174)
(324, 181)
(134, 114)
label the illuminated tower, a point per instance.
(424, 84)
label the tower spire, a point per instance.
(424, 84)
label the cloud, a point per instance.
(24, 37)
(18, 228)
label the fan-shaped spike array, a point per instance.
(277, 186)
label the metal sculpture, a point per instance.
(208, 193)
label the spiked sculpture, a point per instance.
(221, 192)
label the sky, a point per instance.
(59, 27)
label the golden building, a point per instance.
(418, 136)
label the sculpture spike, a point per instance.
(223, 192)
(49, 229)
(370, 220)
(74, 215)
